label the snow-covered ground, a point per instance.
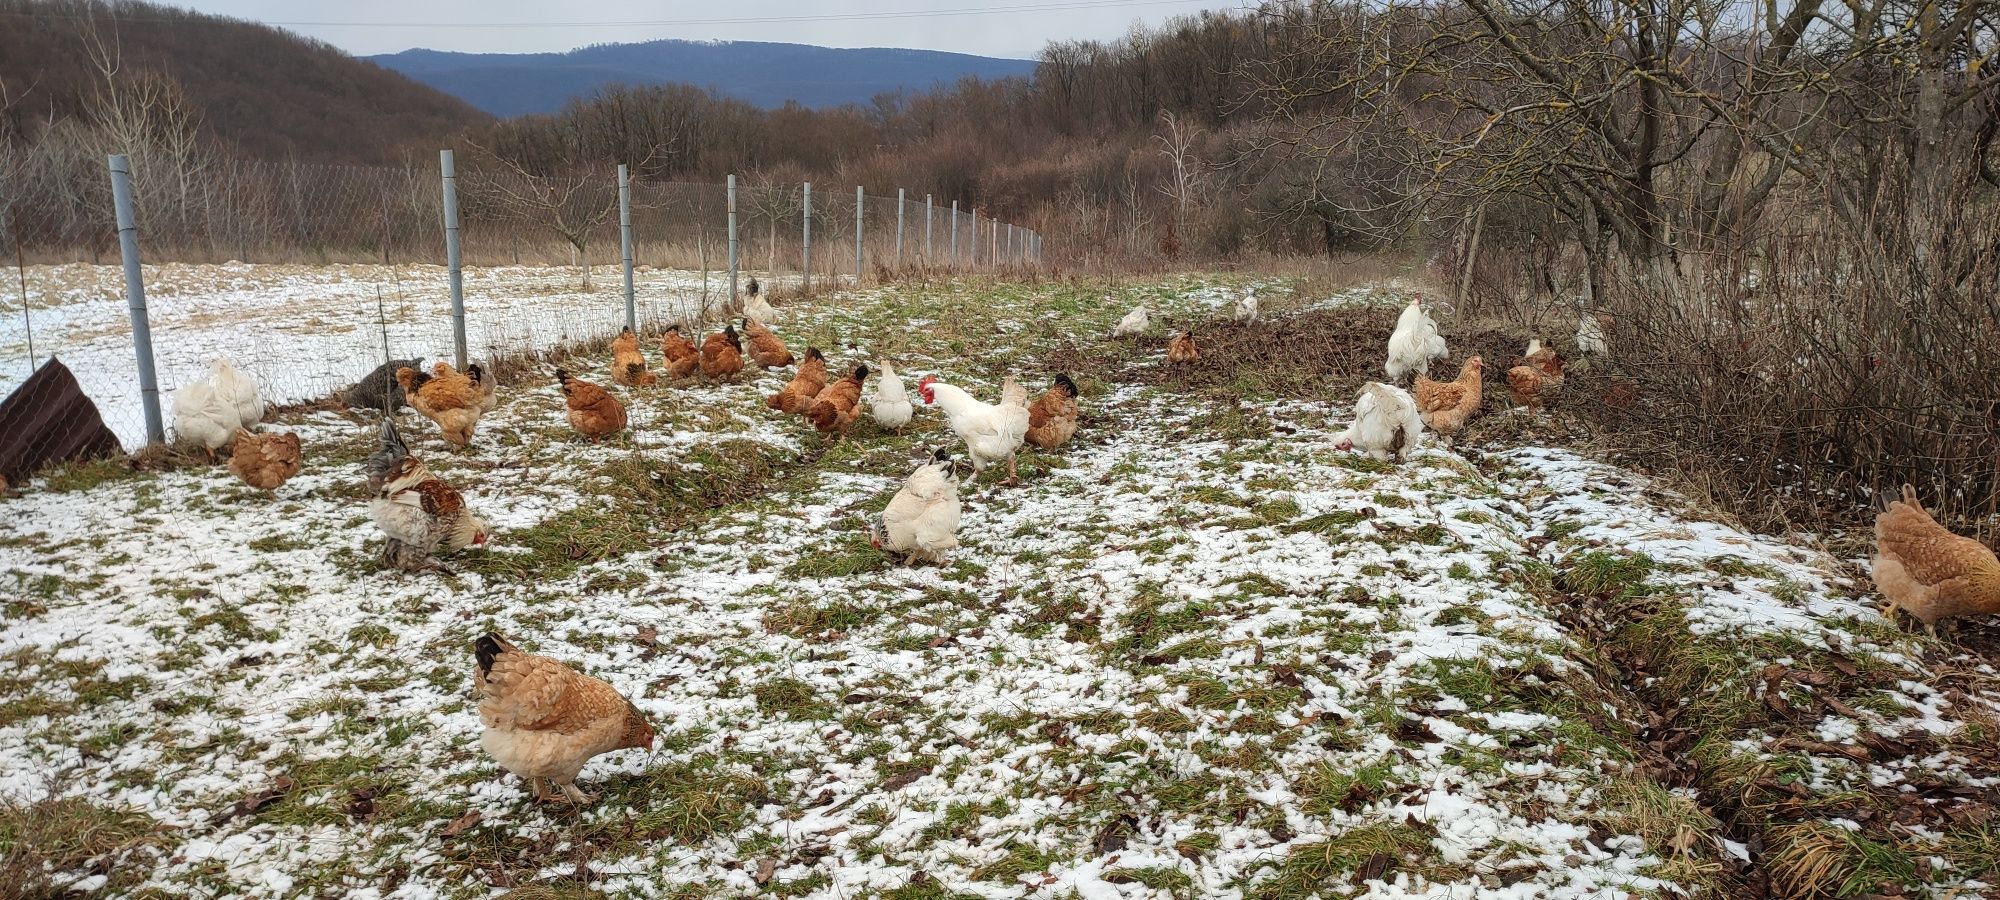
(304, 331)
(1197, 653)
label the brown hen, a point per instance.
(628, 365)
(765, 348)
(449, 398)
(797, 394)
(1052, 418)
(1445, 406)
(545, 720)
(265, 461)
(593, 412)
(722, 354)
(1925, 570)
(1538, 379)
(832, 410)
(681, 353)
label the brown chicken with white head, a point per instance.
(545, 720)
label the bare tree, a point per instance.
(573, 203)
(1177, 140)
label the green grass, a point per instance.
(1315, 869)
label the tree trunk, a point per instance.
(1470, 259)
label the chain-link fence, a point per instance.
(306, 277)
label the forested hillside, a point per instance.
(260, 91)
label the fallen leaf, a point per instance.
(362, 806)
(766, 868)
(1111, 838)
(462, 824)
(1372, 868)
(906, 779)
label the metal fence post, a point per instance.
(928, 209)
(135, 296)
(625, 243)
(954, 233)
(453, 259)
(732, 239)
(899, 228)
(806, 242)
(859, 198)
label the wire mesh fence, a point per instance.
(304, 278)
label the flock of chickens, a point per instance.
(543, 721)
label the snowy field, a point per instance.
(305, 331)
(1198, 653)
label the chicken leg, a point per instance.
(576, 796)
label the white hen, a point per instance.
(921, 521)
(1135, 322)
(238, 390)
(991, 433)
(1246, 307)
(203, 418)
(208, 410)
(891, 407)
(1590, 334)
(1415, 343)
(756, 307)
(1386, 423)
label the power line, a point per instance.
(662, 23)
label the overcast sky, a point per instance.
(985, 27)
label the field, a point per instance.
(1198, 653)
(304, 331)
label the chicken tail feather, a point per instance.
(488, 648)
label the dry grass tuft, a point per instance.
(65, 835)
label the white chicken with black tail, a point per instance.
(1386, 423)
(756, 307)
(921, 521)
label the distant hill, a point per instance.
(268, 92)
(765, 74)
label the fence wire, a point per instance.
(304, 277)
